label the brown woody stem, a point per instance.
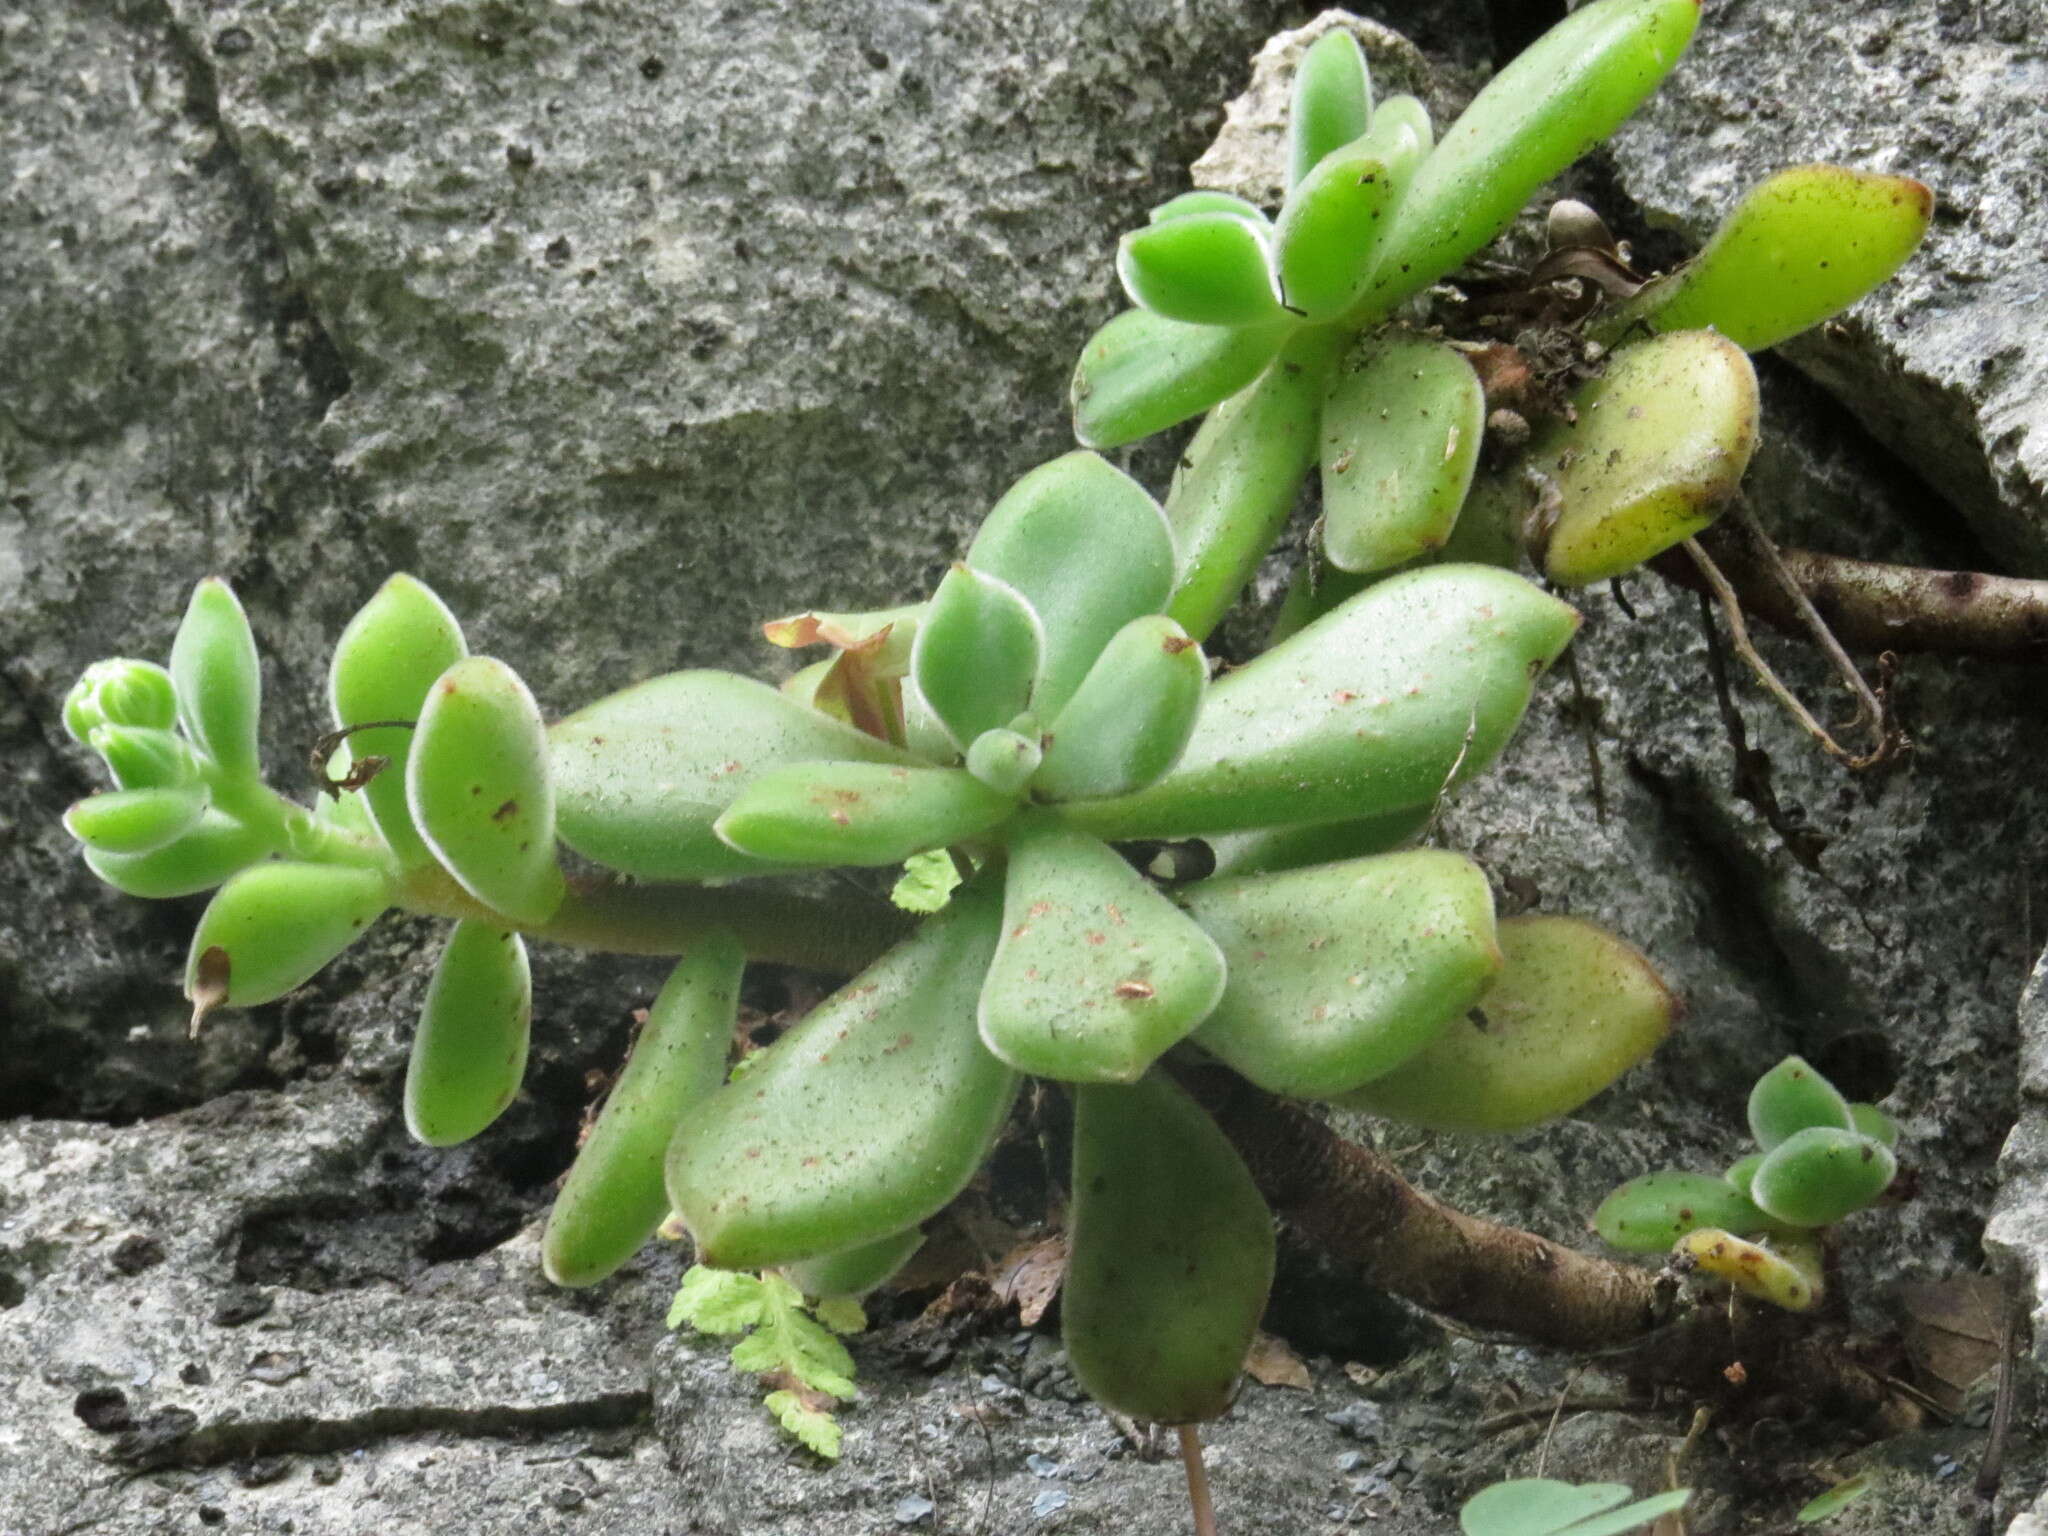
(1873, 607)
(1354, 1205)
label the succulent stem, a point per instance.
(619, 917)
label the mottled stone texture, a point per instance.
(626, 325)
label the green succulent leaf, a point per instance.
(478, 787)
(1401, 435)
(1742, 1172)
(1650, 1213)
(977, 653)
(1659, 448)
(1339, 974)
(145, 757)
(1201, 200)
(1572, 1009)
(863, 814)
(1793, 1097)
(1374, 708)
(1097, 974)
(219, 680)
(854, 1272)
(120, 692)
(1869, 1120)
(274, 925)
(1142, 373)
(1331, 104)
(1130, 720)
(1004, 760)
(214, 849)
(1800, 248)
(469, 1048)
(1089, 550)
(1240, 477)
(1202, 269)
(614, 1196)
(641, 776)
(1281, 848)
(1565, 93)
(1330, 230)
(402, 639)
(135, 821)
(1172, 1255)
(1817, 1176)
(1539, 1506)
(812, 1152)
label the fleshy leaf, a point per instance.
(1089, 549)
(1331, 103)
(1201, 200)
(1793, 1097)
(1341, 972)
(1131, 717)
(218, 678)
(1004, 760)
(1660, 446)
(133, 821)
(477, 784)
(813, 1152)
(1805, 245)
(120, 692)
(1172, 1255)
(1202, 269)
(858, 813)
(1097, 973)
(613, 1197)
(1401, 434)
(384, 663)
(145, 757)
(1281, 848)
(856, 1271)
(1142, 373)
(1836, 1499)
(1572, 1009)
(976, 655)
(1329, 233)
(1790, 1279)
(1650, 1213)
(1373, 708)
(641, 776)
(1239, 479)
(276, 924)
(1817, 1176)
(215, 848)
(469, 1048)
(1869, 1120)
(1565, 93)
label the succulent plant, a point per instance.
(1155, 863)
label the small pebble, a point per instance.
(914, 1509)
(1049, 1503)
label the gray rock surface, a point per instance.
(626, 326)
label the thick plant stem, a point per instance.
(841, 936)
(1353, 1205)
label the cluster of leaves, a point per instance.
(788, 1341)
(1820, 1158)
(1152, 862)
